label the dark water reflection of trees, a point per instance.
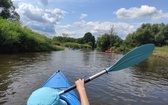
(155, 67)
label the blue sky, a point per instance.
(76, 17)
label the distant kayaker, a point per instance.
(82, 92)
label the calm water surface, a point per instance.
(144, 84)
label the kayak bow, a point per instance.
(59, 82)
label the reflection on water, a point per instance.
(144, 84)
(17, 72)
(154, 67)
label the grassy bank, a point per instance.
(76, 45)
(161, 52)
(15, 38)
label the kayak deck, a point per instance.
(59, 82)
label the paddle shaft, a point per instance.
(86, 81)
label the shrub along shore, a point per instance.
(161, 52)
(15, 38)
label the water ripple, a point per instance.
(144, 84)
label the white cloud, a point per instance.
(16, 3)
(159, 16)
(65, 26)
(83, 15)
(69, 33)
(15, 0)
(32, 13)
(39, 19)
(1, 9)
(143, 12)
(78, 29)
(123, 29)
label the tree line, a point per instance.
(16, 38)
(87, 41)
(146, 33)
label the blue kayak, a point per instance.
(59, 82)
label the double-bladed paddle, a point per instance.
(133, 57)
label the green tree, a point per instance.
(63, 39)
(107, 41)
(115, 41)
(161, 37)
(130, 41)
(89, 39)
(103, 42)
(148, 33)
(80, 40)
(143, 35)
(7, 10)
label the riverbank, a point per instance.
(161, 52)
(14, 38)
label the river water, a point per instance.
(143, 84)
